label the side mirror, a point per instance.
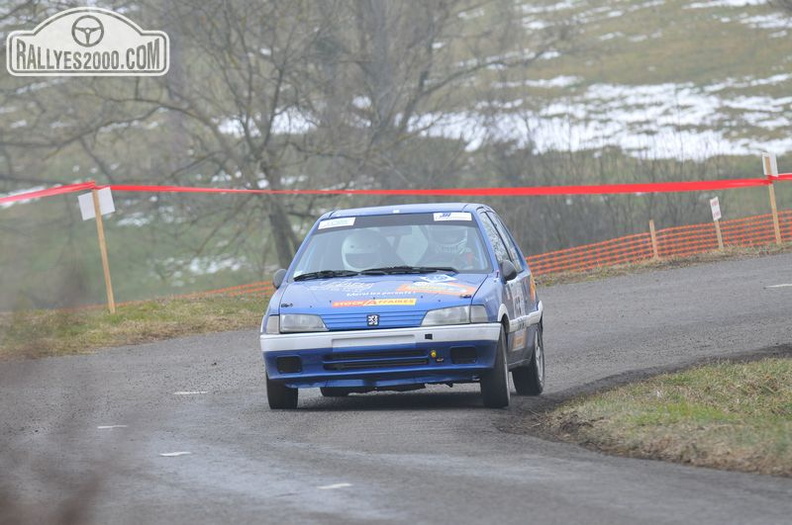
(278, 277)
(508, 271)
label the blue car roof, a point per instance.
(440, 207)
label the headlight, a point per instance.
(301, 323)
(455, 315)
(271, 325)
(478, 314)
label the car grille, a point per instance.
(357, 320)
(374, 360)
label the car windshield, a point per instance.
(393, 244)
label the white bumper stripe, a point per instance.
(386, 337)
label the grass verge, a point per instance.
(735, 416)
(41, 333)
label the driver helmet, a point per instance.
(449, 239)
(361, 250)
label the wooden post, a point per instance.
(103, 249)
(718, 233)
(654, 239)
(771, 172)
(774, 209)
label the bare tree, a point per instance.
(402, 65)
(254, 61)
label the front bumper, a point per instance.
(381, 358)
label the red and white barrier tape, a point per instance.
(57, 190)
(602, 189)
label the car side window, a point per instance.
(511, 246)
(501, 253)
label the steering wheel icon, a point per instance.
(87, 31)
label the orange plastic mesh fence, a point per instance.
(257, 288)
(679, 241)
(262, 288)
(615, 251)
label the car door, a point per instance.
(517, 291)
(511, 296)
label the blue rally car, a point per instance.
(397, 297)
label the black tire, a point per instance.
(332, 391)
(529, 380)
(495, 383)
(281, 396)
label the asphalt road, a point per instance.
(179, 431)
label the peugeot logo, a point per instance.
(372, 320)
(87, 31)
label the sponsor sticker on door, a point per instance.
(87, 41)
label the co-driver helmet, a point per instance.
(449, 239)
(361, 250)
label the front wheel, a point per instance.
(495, 383)
(529, 380)
(280, 396)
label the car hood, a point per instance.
(399, 300)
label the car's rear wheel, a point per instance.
(332, 391)
(495, 383)
(280, 396)
(529, 380)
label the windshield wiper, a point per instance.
(408, 269)
(324, 274)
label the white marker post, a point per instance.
(96, 204)
(771, 171)
(716, 217)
